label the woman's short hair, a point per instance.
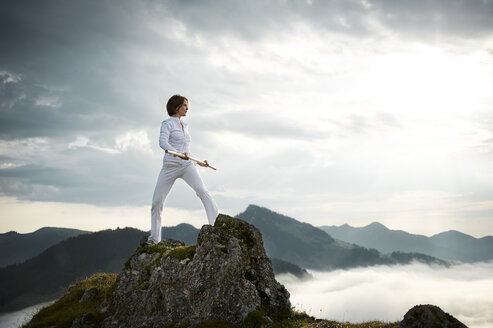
(174, 103)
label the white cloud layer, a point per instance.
(386, 293)
(19, 318)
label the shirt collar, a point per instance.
(177, 120)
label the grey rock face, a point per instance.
(429, 316)
(225, 276)
(84, 320)
(89, 295)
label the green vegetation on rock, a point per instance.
(72, 304)
(179, 252)
(234, 228)
(151, 249)
(183, 252)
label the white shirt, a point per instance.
(175, 137)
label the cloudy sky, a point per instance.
(330, 112)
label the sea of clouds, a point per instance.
(386, 293)
(18, 318)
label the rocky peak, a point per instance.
(429, 316)
(226, 276)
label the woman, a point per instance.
(174, 136)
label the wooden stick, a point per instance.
(182, 156)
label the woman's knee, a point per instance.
(202, 192)
(157, 205)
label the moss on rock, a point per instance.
(71, 305)
(183, 252)
(152, 249)
(237, 228)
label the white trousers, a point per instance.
(169, 173)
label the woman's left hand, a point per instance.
(204, 165)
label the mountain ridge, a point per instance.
(308, 246)
(45, 276)
(451, 245)
(17, 247)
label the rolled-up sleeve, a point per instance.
(164, 137)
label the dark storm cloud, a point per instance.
(62, 33)
(34, 182)
(255, 19)
(68, 61)
(40, 175)
(29, 109)
(432, 18)
(419, 18)
(90, 177)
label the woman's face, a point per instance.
(182, 110)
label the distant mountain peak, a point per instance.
(453, 234)
(253, 207)
(450, 245)
(263, 213)
(46, 229)
(10, 233)
(184, 225)
(377, 225)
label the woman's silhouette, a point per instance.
(174, 136)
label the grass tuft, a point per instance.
(180, 252)
(151, 249)
(183, 252)
(61, 313)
